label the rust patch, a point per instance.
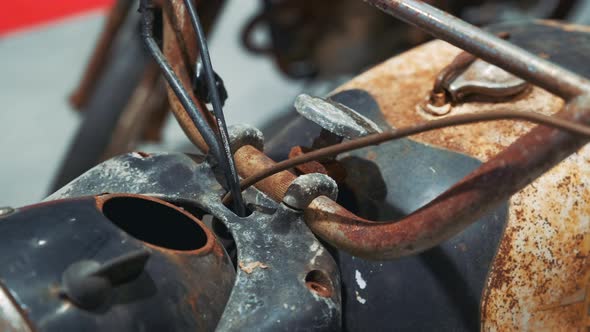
(401, 84)
(371, 155)
(331, 167)
(307, 168)
(192, 301)
(249, 268)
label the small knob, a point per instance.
(88, 283)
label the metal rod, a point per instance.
(376, 139)
(147, 11)
(486, 46)
(230, 169)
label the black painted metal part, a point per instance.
(285, 280)
(84, 264)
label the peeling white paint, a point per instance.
(318, 253)
(359, 279)
(314, 246)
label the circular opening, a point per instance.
(155, 223)
(319, 283)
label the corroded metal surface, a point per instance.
(284, 269)
(542, 258)
(287, 280)
(249, 160)
(501, 176)
(437, 290)
(508, 56)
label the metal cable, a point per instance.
(147, 10)
(228, 161)
(375, 139)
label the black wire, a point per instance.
(231, 173)
(147, 11)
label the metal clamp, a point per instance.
(308, 187)
(243, 134)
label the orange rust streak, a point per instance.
(537, 262)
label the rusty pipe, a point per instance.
(250, 160)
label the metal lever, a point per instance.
(88, 283)
(334, 117)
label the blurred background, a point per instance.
(43, 56)
(266, 52)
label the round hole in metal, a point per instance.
(155, 223)
(319, 283)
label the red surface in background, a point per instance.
(20, 14)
